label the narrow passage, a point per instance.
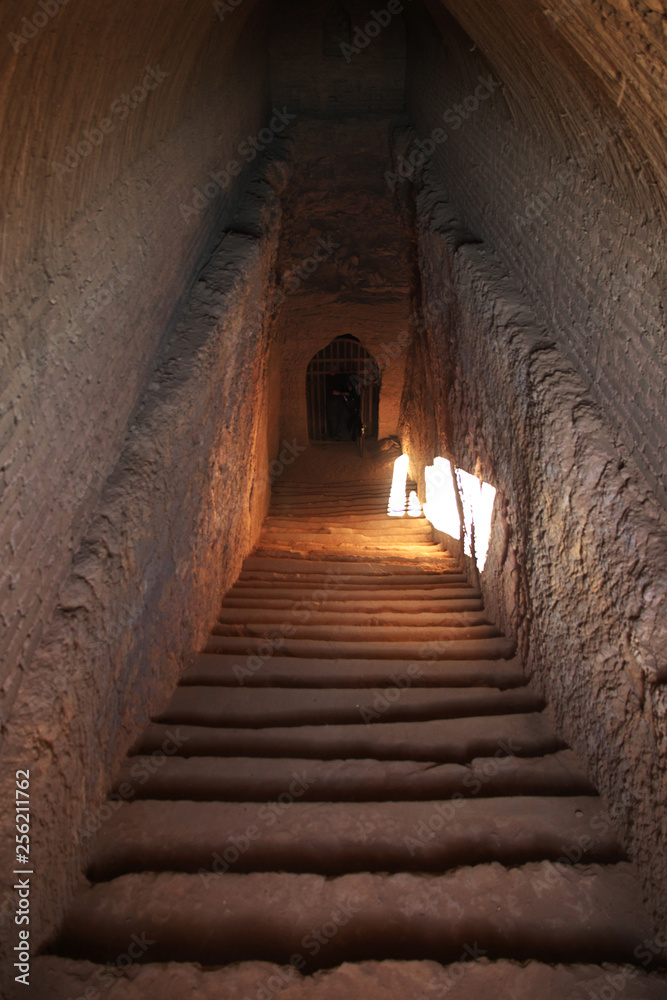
(355, 793)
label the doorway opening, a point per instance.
(343, 356)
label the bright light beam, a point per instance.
(441, 508)
(414, 506)
(487, 499)
(477, 500)
(396, 506)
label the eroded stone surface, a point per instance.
(576, 566)
(62, 979)
(180, 512)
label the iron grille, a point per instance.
(344, 354)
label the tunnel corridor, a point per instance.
(354, 776)
(216, 215)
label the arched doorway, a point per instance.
(344, 354)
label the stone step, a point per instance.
(355, 550)
(429, 558)
(280, 528)
(329, 508)
(262, 707)
(337, 838)
(344, 582)
(358, 516)
(259, 779)
(464, 625)
(400, 573)
(342, 593)
(376, 497)
(330, 511)
(229, 670)
(460, 600)
(470, 977)
(379, 493)
(342, 488)
(337, 619)
(443, 740)
(334, 540)
(455, 649)
(539, 910)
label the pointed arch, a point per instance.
(344, 354)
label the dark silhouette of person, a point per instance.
(343, 406)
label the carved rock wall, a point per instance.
(550, 157)
(576, 566)
(100, 245)
(177, 516)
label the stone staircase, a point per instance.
(353, 793)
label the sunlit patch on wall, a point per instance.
(477, 501)
(441, 508)
(397, 500)
(414, 506)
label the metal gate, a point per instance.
(344, 354)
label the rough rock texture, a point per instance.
(311, 73)
(465, 980)
(96, 255)
(576, 566)
(561, 169)
(176, 518)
